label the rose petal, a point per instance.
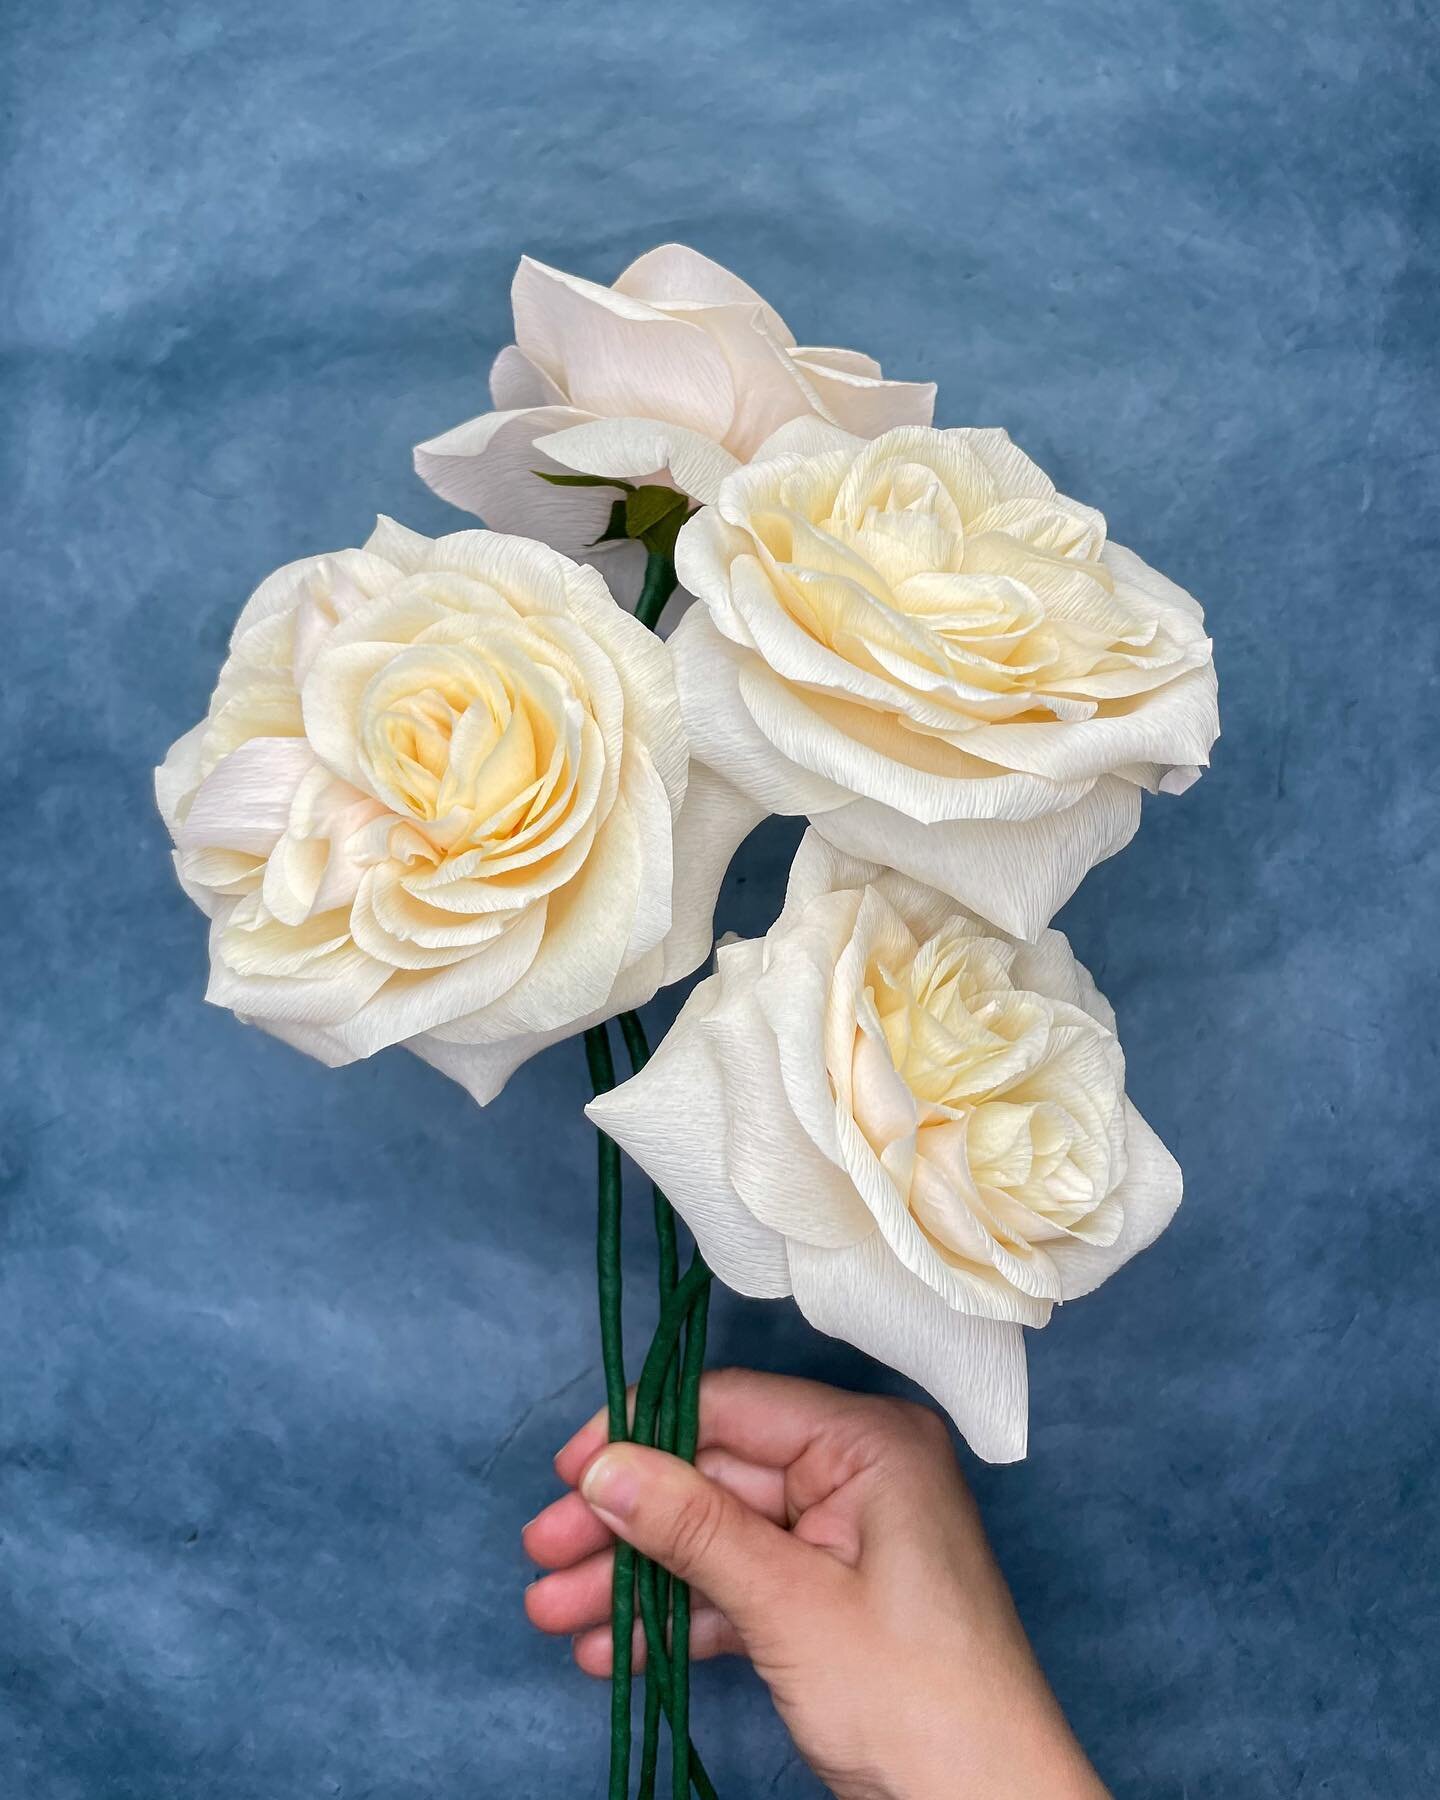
(671, 1119)
(975, 1368)
(613, 355)
(515, 382)
(714, 820)
(488, 466)
(863, 402)
(1149, 1196)
(1016, 875)
(674, 274)
(644, 451)
(245, 803)
(773, 1166)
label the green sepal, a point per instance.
(652, 515)
(614, 532)
(648, 507)
(655, 515)
(583, 480)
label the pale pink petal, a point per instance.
(643, 451)
(515, 383)
(866, 404)
(245, 803)
(844, 362)
(673, 274)
(488, 467)
(616, 356)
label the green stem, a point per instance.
(654, 1582)
(689, 1296)
(607, 1266)
(686, 1438)
(659, 586)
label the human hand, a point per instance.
(831, 1539)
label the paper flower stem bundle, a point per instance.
(454, 794)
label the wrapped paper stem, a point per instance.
(612, 1349)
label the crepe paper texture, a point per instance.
(259, 1539)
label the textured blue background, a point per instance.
(284, 1353)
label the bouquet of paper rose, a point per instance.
(456, 794)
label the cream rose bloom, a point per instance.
(915, 1124)
(442, 798)
(674, 375)
(923, 647)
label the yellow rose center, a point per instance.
(1010, 1105)
(475, 749)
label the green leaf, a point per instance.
(583, 480)
(614, 531)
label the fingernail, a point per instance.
(610, 1486)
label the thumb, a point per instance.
(701, 1533)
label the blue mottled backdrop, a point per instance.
(284, 1353)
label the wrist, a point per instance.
(1017, 1747)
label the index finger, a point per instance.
(767, 1419)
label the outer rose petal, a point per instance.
(482, 1063)
(845, 362)
(722, 732)
(867, 403)
(487, 466)
(245, 803)
(1018, 875)
(614, 355)
(1177, 724)
(642, 450)
(1050, 966)
(714, 820)
(807, 437)
(774, 1167)
(179, 775)
(515, 382)
(673, 1120)
(481, 1069)
(674, 274)
(1149, 1195)
(1162, 593)
(974, 1367)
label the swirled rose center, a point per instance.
(476, 750)
(1010, 1099)
(981, 605)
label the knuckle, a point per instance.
(697, 1524)
(926, 1425)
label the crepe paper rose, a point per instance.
(441, 798)
(923, 647)
(675, 375)
(914, 1123)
